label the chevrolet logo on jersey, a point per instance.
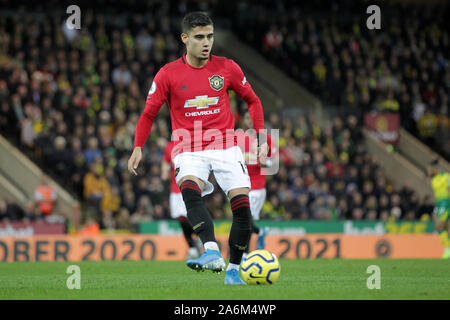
(201, 102)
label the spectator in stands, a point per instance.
(427, 207)
(129, 201)
(60, 158)
(290, 206)
(107, 221)
(90, 228)
(34, 214)
(92, 152)
(111, 200)
(140, 216)
(45, 197)
(95, 186)
(333, 210)
(121, 76)
(273, 208)
(123, 219)
(273, 38)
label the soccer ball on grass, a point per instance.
(260, 267)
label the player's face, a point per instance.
(199, 41)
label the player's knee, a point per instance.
(192, 195)
(237, 192)
(198, 181)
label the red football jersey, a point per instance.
(198, 98)
(168, 158)
(249, 147)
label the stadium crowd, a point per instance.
(72, 100)
(404, 67)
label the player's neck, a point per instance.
(195, 62)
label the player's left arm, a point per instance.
(240, 85)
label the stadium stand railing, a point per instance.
(418, 153)
(399, 169)
(20, 177)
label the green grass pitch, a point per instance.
(299, 279)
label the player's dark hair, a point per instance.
(195, 19)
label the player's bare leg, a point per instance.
(191, 188)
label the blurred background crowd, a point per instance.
(404, 67)
(71, 100)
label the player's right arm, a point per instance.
(157, 95)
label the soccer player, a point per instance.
(440, 182)
(177, 207)
(196, 89)
(248, 144)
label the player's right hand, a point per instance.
(134, 160)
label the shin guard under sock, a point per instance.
(198, 215)
(255, 229)
(241, 227)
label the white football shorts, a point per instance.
(227, 165)
(257, 199)
(177, 206)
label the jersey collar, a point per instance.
(183, 58)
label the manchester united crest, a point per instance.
(216, 82)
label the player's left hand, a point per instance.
(263, 150)
(134, 160)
